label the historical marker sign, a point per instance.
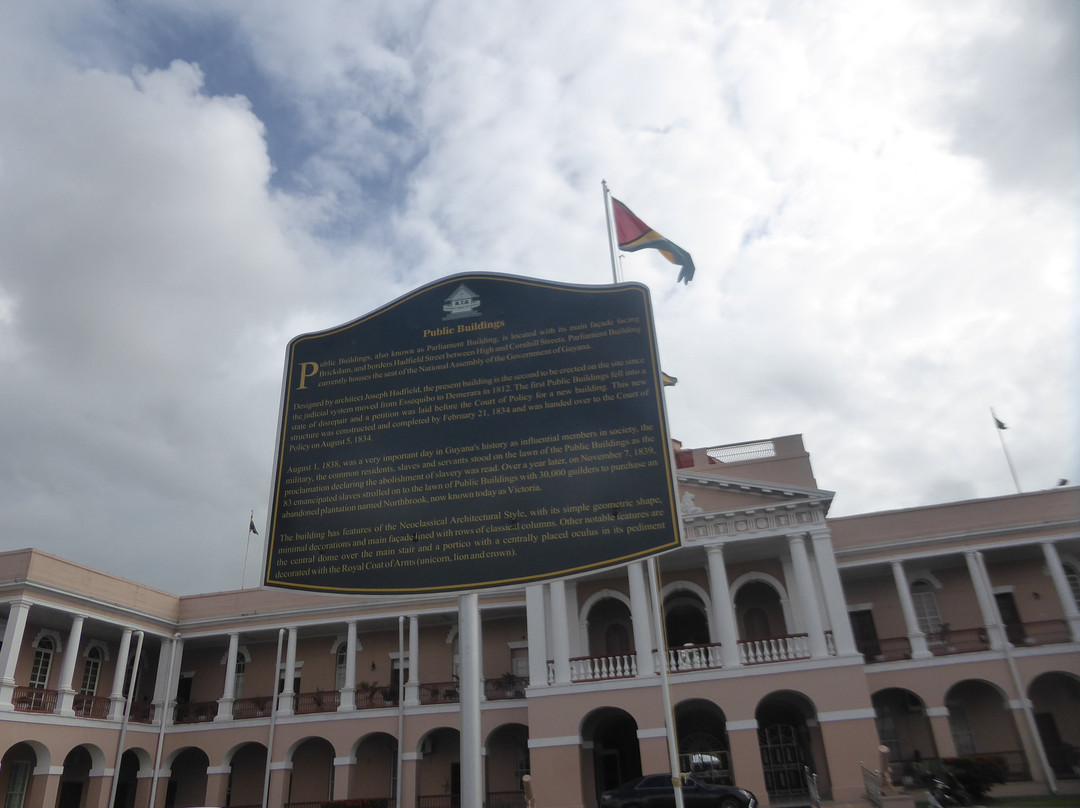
(482, 430)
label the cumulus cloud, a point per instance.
(877, 201)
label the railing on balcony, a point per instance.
(693, 658)
(34, 699)
(439, 693)
(1045, 632)
(774, 649)
(142, 712)
(505, 799)
(949, 641)
(506, 686)
(321, 701)
(890, 649)
(195, 712)
(374, 698)
(588, 669)
(91, 706)
(438, 801)
(253, 707)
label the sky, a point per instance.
(880, 199)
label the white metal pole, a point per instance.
(469, 694)
(166, 705)
(610, 233)
(665, 687)
(125, 719)
(1000, 426)
(273, 721)
(401, 703)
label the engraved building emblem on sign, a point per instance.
(463, 302)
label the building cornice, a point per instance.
(985, 539)
(763, 520)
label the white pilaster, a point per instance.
(832, 590)
(560, 639)
(9, 654)
(723, 609)
(228, 692)
(1064, 592)
(172, 678)
(412, 684)
(808, 603)
(919, 648)
(347, 701)
(65, 692)
(116, 694)
(286, 700)
(536, 629)
(984, 594)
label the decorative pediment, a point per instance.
(721, 507)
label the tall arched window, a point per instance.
(39, 671)
(926, 607)
(1074, 582)
(91, 671)
(238, 679)
(340, 658)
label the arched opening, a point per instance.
(759, 612)
(507, 763)
(247, 767)
(187, 781)
(704, 752)
(75, 778)
(616, 756)
(685, 620)
(127, 780)
(982, 724)
(611, 631)
(312, 777)
(17, 773)
(1055, 700)
(375, 774)
(439, 772)
(903, 726)
(789, 739)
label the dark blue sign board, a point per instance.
(482, 430)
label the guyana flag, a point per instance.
(633, 234)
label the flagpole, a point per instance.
(1008, 459)
(247, 551)
(610, 233)
(665, 686)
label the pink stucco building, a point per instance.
(793, 642)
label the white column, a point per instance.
(832, 589)
(470, 688)
(919, 649)
(808, 604)
(985, 596)
(172, 679)
(639, 616)
(1064, 591)
(347, 701)
(66, 693)
(560, 640)
(723, 609)
(286, 700)
(116, 694)
(9, 654)
(412, 683)
(228, 692)
(536, 629)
